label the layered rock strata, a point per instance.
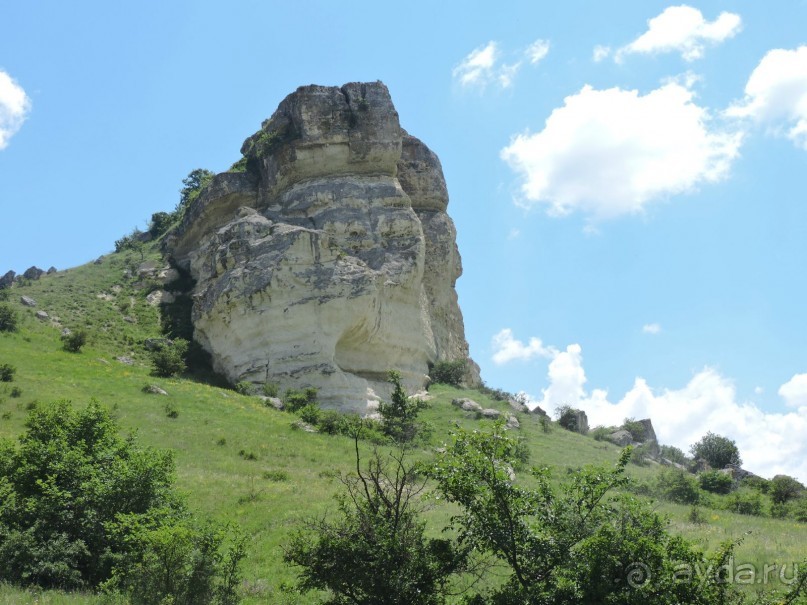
(330, 259)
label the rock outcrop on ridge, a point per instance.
(330, 258)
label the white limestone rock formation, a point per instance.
(331, 259)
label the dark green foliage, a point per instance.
(635, 428)
(171, 410)
(276, 476)
(567, 417)
(745, 502)
(696, 516)
(239, 166)
(678, 486)
(63, 488)
(4, 294)
(73, 341)
(376, 550)
(244, 388)
(271, 389)
(8, 318)
(160, 222)
(600, 433)
(718, 451)
(16, 392)
(168, 359)
(310, 413)
(757, 483)
(294, 400)
(546, 423)
(192, 186)
(716, 482)
(7, 372)
(183, 563)
(496, 394)
(399, 417)
(673, 454)
(448, 372)
(574, 544)
(784, 488)
(133, 241)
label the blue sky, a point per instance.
(627, 178)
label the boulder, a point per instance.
(490, 413)
(273, 402)
(539, 410)
(52, 270)
(125, 360)
(582, 422)
(153, 389)
(42, 315)
(27, 301)
(7, 280)
(468, 405)
(622, 438)
(33, 273)
(512, 422)
(518, 406)
(160, 297)
(331, 259)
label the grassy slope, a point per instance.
(220, 482)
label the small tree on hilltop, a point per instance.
(717, 450)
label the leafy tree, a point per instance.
(399, 417)
(673, 454)
(572, 544)
(567, 417)
(784, 488)
(376, 551)
(168, 359)
(193, 184)
(8, 319)
(635, 428)
(73, 341)
(678, 486)
(716, 482)
(62, 488)
(449, 372)
(160, 222)
(718, 451)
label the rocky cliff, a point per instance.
(329, 259)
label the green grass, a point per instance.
(293, 474)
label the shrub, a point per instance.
(757, 483)
(717, 450)
(171, 410)
(271, 389)
(716, 482)
(673, 454)
(294, 400)
(276, 476)
(192, 186)
(567, 417)
(546, 423)
(310, 413)
(600, 433)
(745, 502)
(7, 372)
(8, 318)
(168, 359)
(399, 417)
(784, 488)
(16, 392)
(696, 516)
(639, 455)
(678, 486)
(160, 222)
(74, 341)
(65, 485)
(243, 387)
(4, 294)
(635, 428)
(448, 372)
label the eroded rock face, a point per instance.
(331, 259)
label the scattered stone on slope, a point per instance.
(490, 413)
(468, 405)
(33, 273)
(622, 438)
(160, 297)
(42, 315)
(539, 410)
(273, 402)
(27, 301)
(7, 280)
(153, 389)
(125, 360)
(518, 406)
(303, 426)
(331, 260)
(52, 270)
(512, 422)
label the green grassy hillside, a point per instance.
(241, 461)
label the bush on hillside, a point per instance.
(7, 372)
(8, 319)
(716, 482)
(784, 488)
(677, 486)
(73, 341)
(399, 416)
(168, 359)
(635, 428)
(294, 399)
(160, 222)
(745, 502)
(448, 372)
(567, 417)
(673, 454)
(717, 450)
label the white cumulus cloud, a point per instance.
(14, 107)
(684, 30)
(653, 328)
(776, 94)
(506, 348)
(610, 152)
(600, 53)
(769, 443)
(794, 391)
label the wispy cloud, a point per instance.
(684, 30)
(610, 152)
(653, 328)
(485, 66)
(14, 108)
